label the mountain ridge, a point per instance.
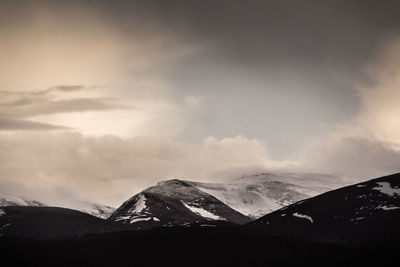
(359, 213)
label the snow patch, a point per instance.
(140, 204)
(249, 199)
(202, 212)
(156, 219)
(386, 188)
(388, 208)
(361, 185)
(303, 216)
(2, 212)
(140, 219)
(122, 218)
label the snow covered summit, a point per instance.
(260, 194)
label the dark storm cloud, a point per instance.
(258, 33)
(276, 61)
(274, 33)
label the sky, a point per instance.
(101, 99)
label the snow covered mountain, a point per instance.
(9, 200)
(95, 209)
(252, 196)
(367, 212)
(175, 203)
(257, 195)
(178, 202)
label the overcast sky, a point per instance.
(103, 98)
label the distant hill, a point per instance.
(95, 209)
(50, 223)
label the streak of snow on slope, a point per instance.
(202, 212)
(139, 205)
(207, 225)
(303, 216)
(386, 188)
(140, 219)
(122, 218)
(388, 208)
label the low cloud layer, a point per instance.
(111, 169)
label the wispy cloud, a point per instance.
(28, 107)
(68, 88)
(16, 106)
(21, 125)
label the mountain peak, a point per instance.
(172, 182)
(174, 203)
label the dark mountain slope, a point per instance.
(366, 213)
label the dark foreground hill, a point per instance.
(50, 223)
(188, 247)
